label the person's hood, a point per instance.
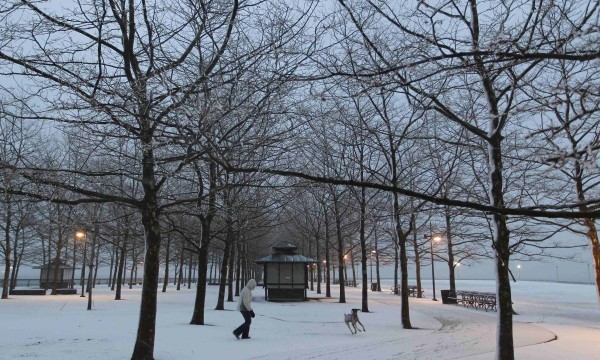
(251, 284)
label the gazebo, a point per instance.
(65, 273)
(285, 274)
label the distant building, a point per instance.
(285, 273)
(65, 274)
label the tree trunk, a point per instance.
(198, 315)
(91, 269)
(59, 245)
(189, 280)
(405, 312)
(238, 267)
(396, 266)
(413, 220)
(133, 266)
(311, 272)
(230, 272)
(590, 224)
(592, 234)
(167, 255)
(327, 259)
(340, 248)
(144, 343)
(180, 277)
(505, 350)
(377, 266)
(353, 269)
(121, 269)
(83, 264)
(96, 266)
(224, 265)
(318, 264)
(117, 258)
(451, 265)
(112, 264)
(7, 250)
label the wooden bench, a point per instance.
(347, 282)
(476, 299)
(412, 291)
(66, 291)
(27, 292)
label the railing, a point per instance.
(35, 283)
(347, 282)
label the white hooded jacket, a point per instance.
(245, 300)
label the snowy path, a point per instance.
(59, 328)
(446, 332)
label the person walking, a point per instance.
(245, 307)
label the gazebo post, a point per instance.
(265, 281)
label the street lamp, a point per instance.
(372, 252)
(78, 235)
(345, 271)
(519, 271)
(433, 238)
(82, 236)
(457, 270)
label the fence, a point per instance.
(35, 283)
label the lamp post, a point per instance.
(345, 271)
(78, 235)
(457, 269)
(372, 252)
(82, 236)
(432, 239)
(519, 271)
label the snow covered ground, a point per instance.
(555, 321)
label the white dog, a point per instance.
(353, 319)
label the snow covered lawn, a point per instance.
(556, 321)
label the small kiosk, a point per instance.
(65, 273)
(285, 273)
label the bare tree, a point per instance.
(119, 85)
(570, 131)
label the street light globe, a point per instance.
(437, 238)
(373, 251)
(519, 266)
(80, 234)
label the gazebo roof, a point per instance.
(285, 252)
(52, 264)
(285, 246)
(282, 258)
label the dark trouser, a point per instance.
(244, 329)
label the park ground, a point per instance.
(555, 321)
